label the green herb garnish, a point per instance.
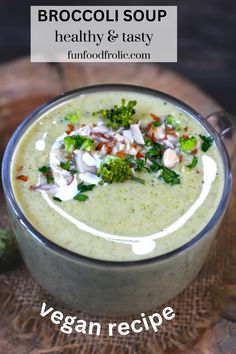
(50, 179)
(65, 165)
(47, 172)
(57, 199)
(169, 176)
(119, 116)
(45, 169)
(155, 166)
(73, 117)
(187, 143)
(156, 124)
(155, 152)
(137, 179)
(68, 167)
(85, 187)
(207, 142)
(193, 163)
(81, 197)
(115, 169)
(137, 164)
(148, 142)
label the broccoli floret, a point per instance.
(170, 120)
(73, 117)
(9, 255)
(115, 169)
(119, 116)
(69, 143)
(76, 142)
(88, 145)
(187, 144)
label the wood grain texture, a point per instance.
(25, 86)
(206, 39)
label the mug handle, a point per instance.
(225, 125)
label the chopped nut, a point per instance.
(170, 158)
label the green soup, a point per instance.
(163, 195)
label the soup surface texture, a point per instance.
(117, 180)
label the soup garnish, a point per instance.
(116, 149)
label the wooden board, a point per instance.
(24, 86)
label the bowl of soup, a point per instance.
(115, 194)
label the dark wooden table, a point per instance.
(206, 39)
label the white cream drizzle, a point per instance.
(68, 192)
(40, 144)
(146, 244)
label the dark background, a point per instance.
(206, 45)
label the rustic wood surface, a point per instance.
(24, 86)
(206, 39)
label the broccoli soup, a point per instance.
(117, 176)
